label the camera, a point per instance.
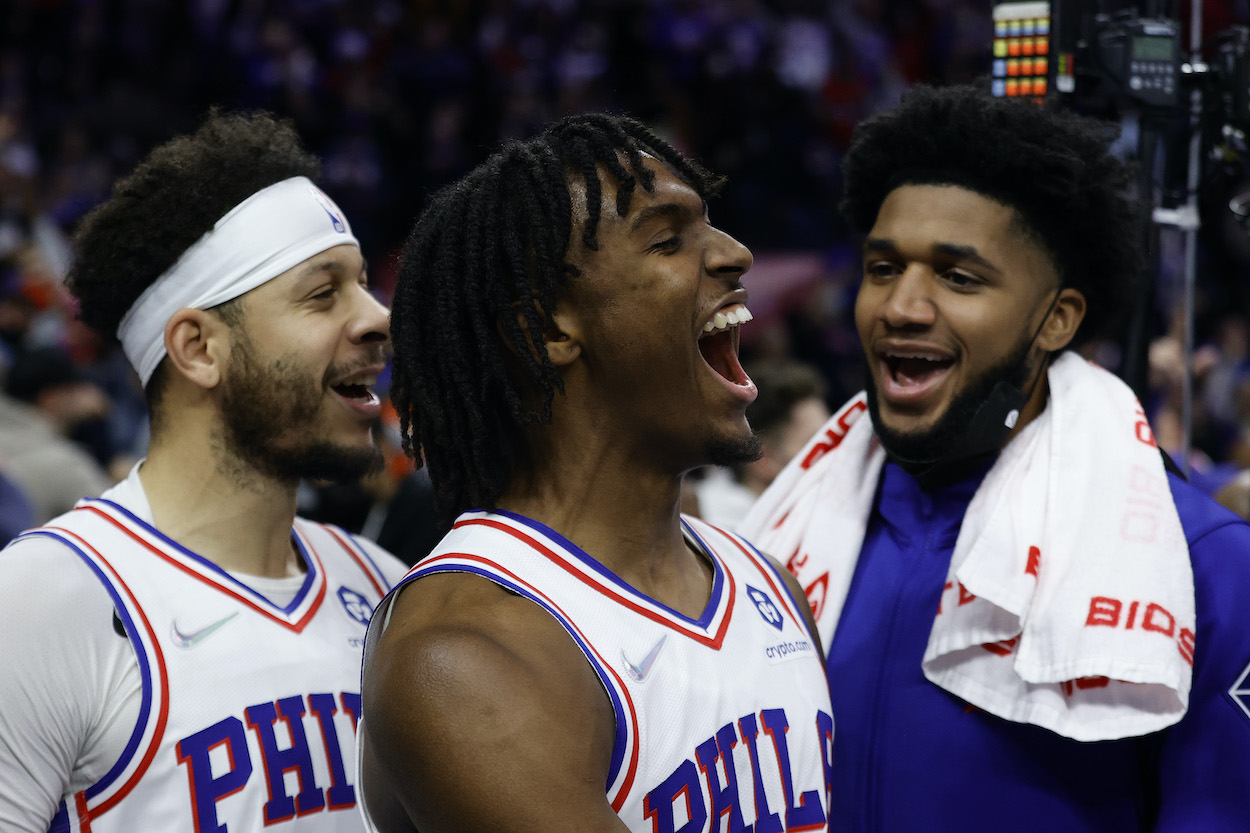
(1110, 62)
(1185, 112)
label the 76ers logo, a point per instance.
(356, 605)
(768, 611)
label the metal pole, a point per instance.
(1193, 176)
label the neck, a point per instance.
(623, 521)
(940, 475)
(623, 514)
(219, 508)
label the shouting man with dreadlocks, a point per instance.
(576, 655)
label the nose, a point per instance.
(726, 257)
(371, 321)
(908, 303)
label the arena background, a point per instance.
(401, 98)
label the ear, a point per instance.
(560, 339)
(563, 339)
(197, 343)
(1064, 320)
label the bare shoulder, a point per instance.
(482, 713)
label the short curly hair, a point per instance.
(1053, 167)
(170, 201)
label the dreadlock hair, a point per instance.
(479, 278)
(1053, 167)
(172, 199)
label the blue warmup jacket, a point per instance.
(909, 757)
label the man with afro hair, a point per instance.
(174, 650)
(1032, 622)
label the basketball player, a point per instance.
(183, 653)
(575, 655)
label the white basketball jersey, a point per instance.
(249, 710)
(726, 715)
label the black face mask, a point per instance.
(974, 427)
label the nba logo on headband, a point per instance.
(330, 209)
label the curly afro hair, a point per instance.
(167, 203)
(1053, 167)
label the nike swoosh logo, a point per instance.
(640, 671)
(190, 640)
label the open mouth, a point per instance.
(719, 344)
(359, 393)
(356, 391)
(912, 374)
(915, 370)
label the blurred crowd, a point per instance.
(400, 98)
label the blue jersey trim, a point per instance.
(799, 607)
(60, 822)
(363, 553)
(145, 671)
(225, 577)
(622, 719)
(718, 572)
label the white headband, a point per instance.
(274, 230)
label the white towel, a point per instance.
(1073, 603)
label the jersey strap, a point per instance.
(296, 615)
(709, 629)
(624, 764)
(149, 729)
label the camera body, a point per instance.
(1106, 63)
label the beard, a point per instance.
(271, 414)
(944, 441)
(736, 451)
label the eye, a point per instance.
(961, 280)
(666, 246)
(325, 294)
(880, 269)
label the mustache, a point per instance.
(367, 360)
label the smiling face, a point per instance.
(654, 315)
(308, 344)
(954, 289)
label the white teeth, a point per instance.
(733, 318)
(921, 356)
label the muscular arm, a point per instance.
(482, 714)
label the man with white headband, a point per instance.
(183, 653)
